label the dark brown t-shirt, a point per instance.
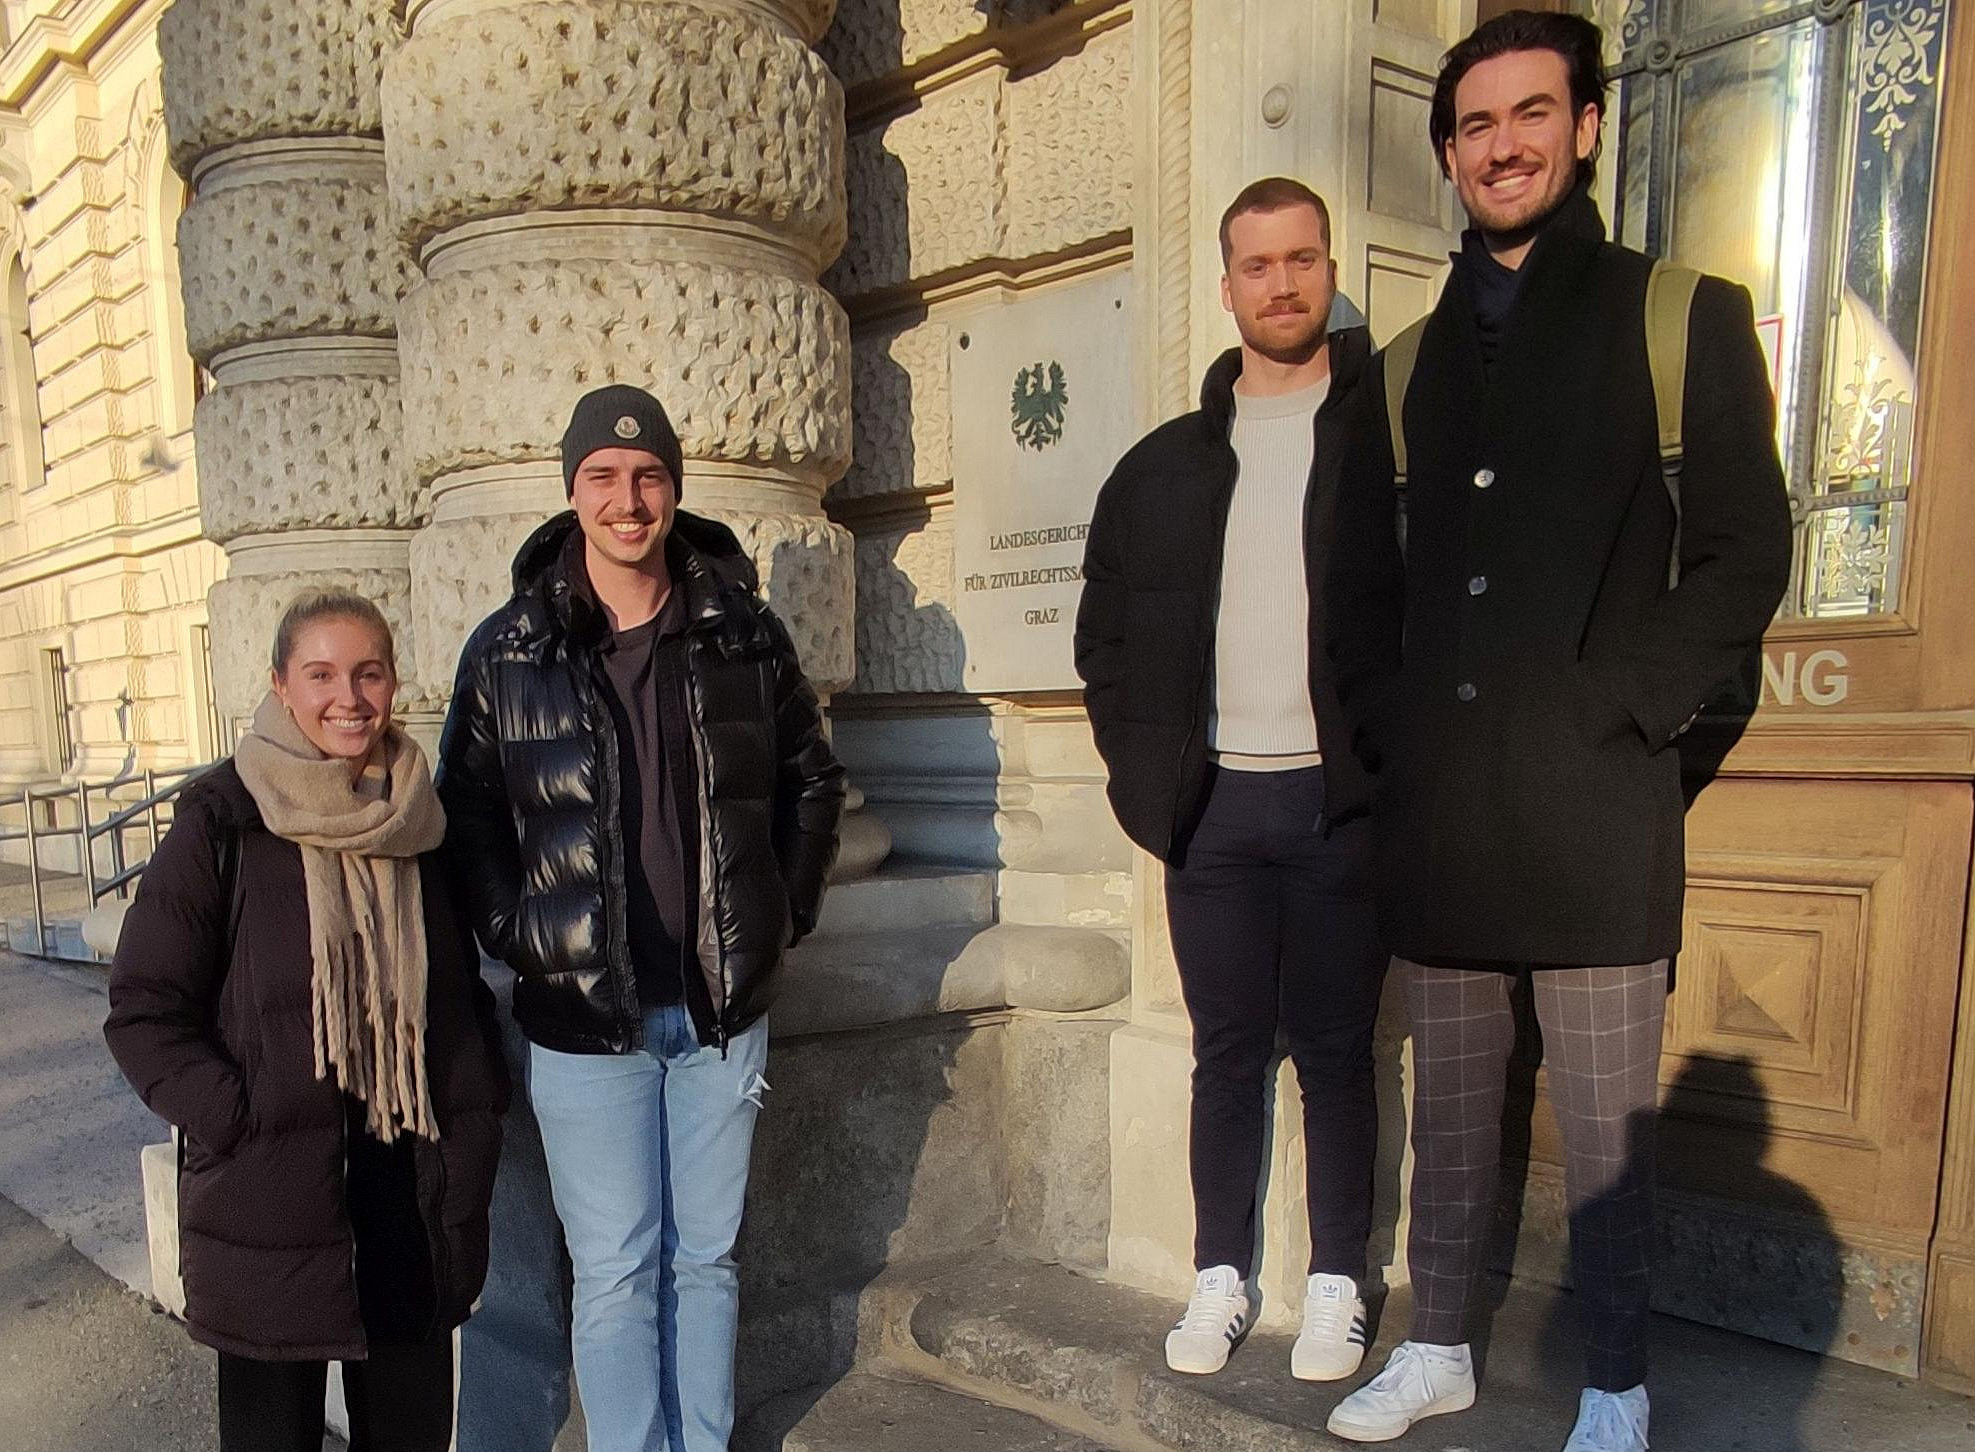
(645, 667)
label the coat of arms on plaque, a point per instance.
(1036, 411)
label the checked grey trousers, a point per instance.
(1601, 1049)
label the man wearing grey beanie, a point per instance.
(643, 812)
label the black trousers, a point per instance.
(400, 1400)
(401, 1397)
(1274, 933)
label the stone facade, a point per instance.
(419, 229)
(291, 274)
(600, 192)
(103, 571)
(989, 155)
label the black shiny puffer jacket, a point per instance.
(528, 773)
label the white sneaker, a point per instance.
(1216, 1317)
(1419, 1381)
(1610, 1422)
(1332, 1342)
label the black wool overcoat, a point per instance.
(1517, 675)
(1151, 597)
(216, 1036)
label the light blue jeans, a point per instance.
(648, 1162)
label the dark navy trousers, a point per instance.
(1273, 928)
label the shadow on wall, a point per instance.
(868, 41)
(1782, 1277)
(903, 645)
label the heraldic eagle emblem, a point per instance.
(1040, 401)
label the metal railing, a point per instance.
(147, 817)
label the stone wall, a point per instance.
(100, 550)
(601, 191)
(989, 156)
(291, 274)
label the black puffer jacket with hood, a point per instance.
(528, 772)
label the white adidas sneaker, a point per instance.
(1419, 1381)
(1332, 1342)
(1610, 1422)
(1216, 1317)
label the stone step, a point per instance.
(886, 1411)
(838, 981)
(904, 899)
(1087, 1354)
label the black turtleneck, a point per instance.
(1494, 287)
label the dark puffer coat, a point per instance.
(217, 1039)
(1151, 600)
(528, 772)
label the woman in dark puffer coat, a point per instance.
(295, 990)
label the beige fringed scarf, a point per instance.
(360, 843)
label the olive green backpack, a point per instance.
(1669, 298)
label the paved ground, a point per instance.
(70, 1129)
(63, 896)
(86, 1364)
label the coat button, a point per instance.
(1465, 690)
(1483, 478)
(1478, 585)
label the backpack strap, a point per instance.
(1400, 356)
(1669, 300)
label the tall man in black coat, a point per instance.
(1200, 640)
(1518, 671)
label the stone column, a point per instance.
(634, 191)
(613, 191)
(291, 278)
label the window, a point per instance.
(180, 381)
(20, 394)
(1789, 144)
(61, 738)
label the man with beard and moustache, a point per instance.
(1199, 639)
(1517, 668)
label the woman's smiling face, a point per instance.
(338, 685)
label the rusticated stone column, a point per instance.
(291, 276)
(636, 191)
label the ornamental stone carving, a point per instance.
(304, 453)
(462, 567)
(873, 38)
(1070, 149)
(751, 367)
(615, 104)
(901, 402)
(808, 577)
(251, 70)
(924, 189)
(293, 258)
(990, 168)
(907, 636)
(242, 610)
(810, 18)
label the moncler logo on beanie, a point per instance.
(619, 417)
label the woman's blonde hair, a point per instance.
(329, 604)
